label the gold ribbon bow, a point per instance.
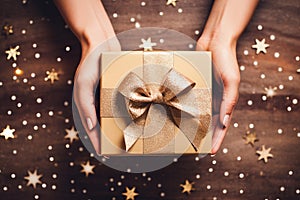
(175, 94)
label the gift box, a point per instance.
(155, 102)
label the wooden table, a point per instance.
(234, 173)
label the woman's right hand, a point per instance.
(85, 83)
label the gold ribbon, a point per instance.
(175, 93)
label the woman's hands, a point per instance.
(225, 85)
(85, 83)
(89, 22)
(226, 22)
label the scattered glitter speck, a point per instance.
(250, 102)
(276, 55)
(37, 55)
(68, 48)
(281, 87)
(225, 150)
(295, 101)
(251, 125)
(241, 175)
(259, 27)
(39, 100)
(272, 37)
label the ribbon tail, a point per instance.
(159, 131)
(193, 130)
(131, 134)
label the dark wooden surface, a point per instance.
(277, 179)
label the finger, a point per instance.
(218, 134)
(230, 98)
(84, 100)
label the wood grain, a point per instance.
(261, 181)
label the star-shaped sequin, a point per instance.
(264, 153)
(52, 76)
(171, 2)
(270, 91)
(260, 46)
(87, 168)
(187, 187)
(130, 193)
(147, 44)
(72, 134)
(250, 138)
(7, 30)
(33, 178)
(13, 53)
(7, 133)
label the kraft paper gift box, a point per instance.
(155, 102)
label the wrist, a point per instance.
(215, 39)
(90, 38)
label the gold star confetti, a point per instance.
(147, 44)
(187, 187)
(270, 92)
(7, 30)
(171, 2)
(71, 134)
(33, 178)
(13, 53)
(87, 168)
(250, 138)
(52, 76)
(8, 133)
(130, 193)
(264, 154)
(260, 46)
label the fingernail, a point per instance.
(226, 121)
(89, 123)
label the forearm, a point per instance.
(228, 19)
(87, 19)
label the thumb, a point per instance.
(84, 100)
(230, 98)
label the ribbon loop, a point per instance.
(174, 92)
